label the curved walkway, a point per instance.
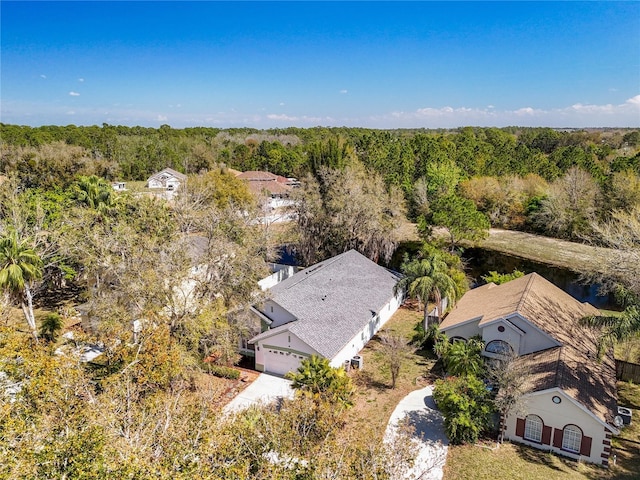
(419, 409)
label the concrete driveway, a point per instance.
(264, 389)
(419, 409)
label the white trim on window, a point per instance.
(571, 438)
(533, 428)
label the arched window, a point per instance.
(498, 346)
(571, 438)
(533, 428)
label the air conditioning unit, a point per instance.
(347, 365)
(357, 361)
(625, 413)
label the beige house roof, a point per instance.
(258, 182)
(574, 366)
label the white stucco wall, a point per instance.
(282, 273)
(173, 183)
(534, 339)
(557, 416)
(466, 330)
(275, 351)
(510, 335)
(277, 314)
(359, 340)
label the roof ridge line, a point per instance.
(309, 272)
(525, 292)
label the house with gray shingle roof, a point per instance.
(331, 309)
(570, 404)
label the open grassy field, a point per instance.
(578, 257)
(574, 256)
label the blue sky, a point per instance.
(279, 64)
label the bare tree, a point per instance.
(339, 210)
(571, 206)
(394, 349)
(622, 233)
(509, 375)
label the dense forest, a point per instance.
(150, 407)
(537, 179)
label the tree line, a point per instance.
(535, 179)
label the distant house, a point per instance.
(276, 189)
(571, 402)
(331, 309)
(119, 186)
(167, 179)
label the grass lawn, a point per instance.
(375, 400)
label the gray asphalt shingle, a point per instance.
(333, 300)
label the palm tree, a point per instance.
(617, 328)
(19, 267)
(464, 358)
(51, 326)
(316, 378)
(95, 192)
(427, 279)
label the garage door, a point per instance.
(279, 362)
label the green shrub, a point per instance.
(466, 406)
(224, 372)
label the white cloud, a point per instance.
(344, 91)
(74, 94)
(282, 104)
(305, 120)
(274, 116)
(81, 80)
(43, 76)
(576, 115)
(526, 111)
(633, 100)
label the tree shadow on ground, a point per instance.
(365, 378)
(541, 457)
(427, 426)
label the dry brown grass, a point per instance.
(375, 400)
(578, 257)
(574, 256)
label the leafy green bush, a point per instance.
(466, 405)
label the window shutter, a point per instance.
(546, 435)
(557, 437)
(520, 427)
(585, 446)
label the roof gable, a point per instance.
(167, 172)
(573, 366)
